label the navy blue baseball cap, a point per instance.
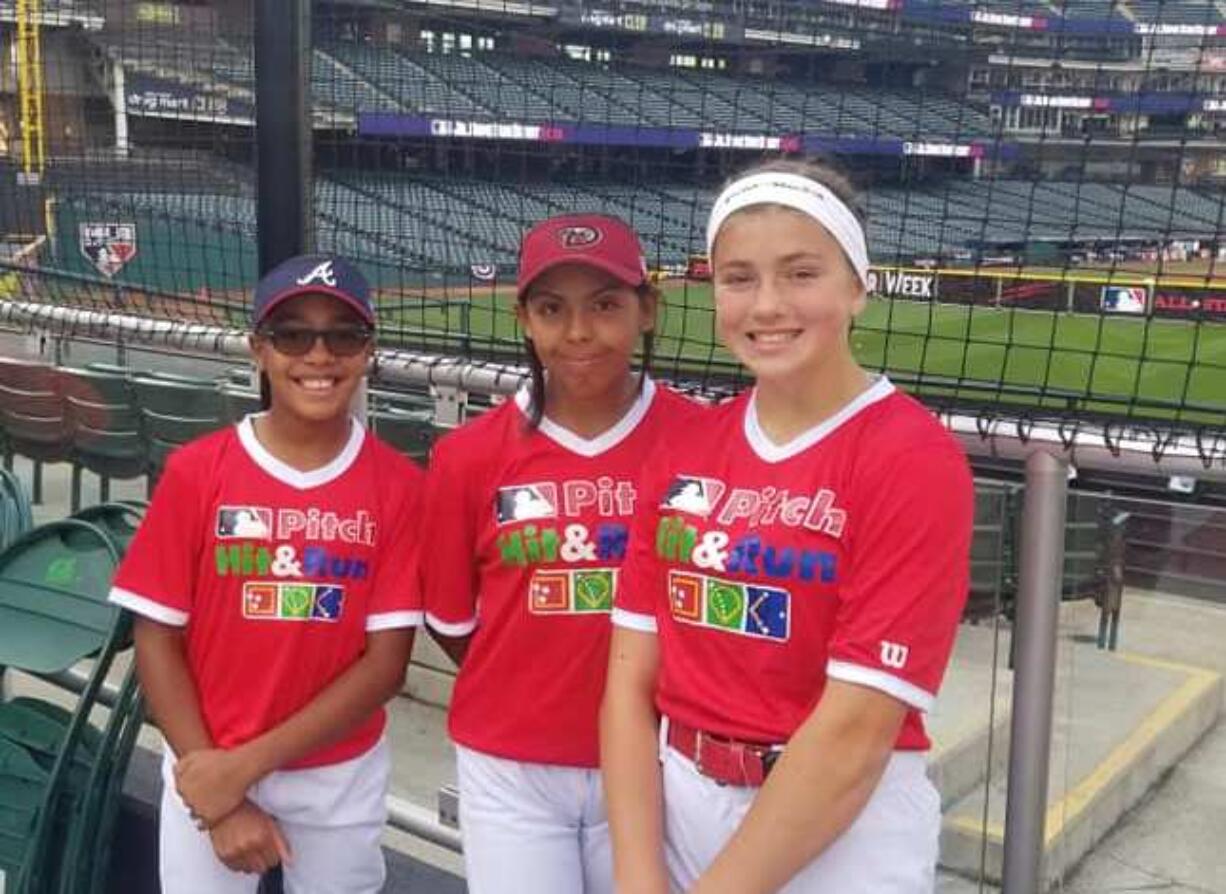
(312, 275)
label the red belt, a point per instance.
(727, 761)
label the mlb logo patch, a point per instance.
(594, 590)
(524, 502)
(244, 522)
(685, 596)
(693, 494)
(259, 600)
(549, 592)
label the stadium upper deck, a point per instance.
(449, 225)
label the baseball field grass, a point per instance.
(1122, 366)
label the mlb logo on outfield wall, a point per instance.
(1123, 299)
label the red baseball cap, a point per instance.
(596, 240)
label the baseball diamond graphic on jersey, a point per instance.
(524, 551)
(829, 557)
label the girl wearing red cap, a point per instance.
(529, 509)
(792, 589)
(274, 581)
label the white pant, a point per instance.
(532, 827)
(332, 818)
(891, 847)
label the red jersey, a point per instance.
(527, 531)
(768, 569)
(276, 575)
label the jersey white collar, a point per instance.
(607, 439)
(286, 473)
(768, 451)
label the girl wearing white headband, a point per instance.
(792, 591)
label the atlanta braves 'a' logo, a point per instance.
(321, 273)
(579, 237)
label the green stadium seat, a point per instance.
(175, 410)
(16, 516)
(411, 432)
(53, 613)
(32, 413)
(106, 428)
(118, 520)
(239, 402)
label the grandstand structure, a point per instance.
(1080, 141)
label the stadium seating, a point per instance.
(360, 77)
(57, 771)
(119, 422)
(394, 222)
(454, 223)
(32, 413)
(1177, 12)
(104, 420)
(16, 516)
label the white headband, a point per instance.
(801, 194)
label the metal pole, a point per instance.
(119, 100)
(1038, 608)
(283, 129)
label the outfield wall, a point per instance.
(1123, 294)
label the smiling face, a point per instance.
(317, 386)
(785, 294)
(585, 326)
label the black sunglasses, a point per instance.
(295, 341)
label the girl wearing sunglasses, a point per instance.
(274, 581)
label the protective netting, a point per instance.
(1043, 181)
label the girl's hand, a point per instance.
(249, 840)
(212, 783)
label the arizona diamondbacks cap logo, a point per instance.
(108, 246)
(579, 237)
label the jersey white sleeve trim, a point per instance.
(634, 621)
(393, 620)
(909, 693)
(449, 628)
(148, 608)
